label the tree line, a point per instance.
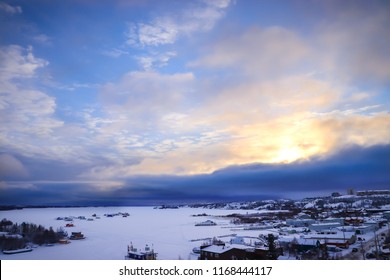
(17, 236)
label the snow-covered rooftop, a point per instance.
(331, 235)
(222, 249)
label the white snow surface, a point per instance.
(168, 231)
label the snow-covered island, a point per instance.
(335, 227)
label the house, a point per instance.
(303, 244)
(236, 252)
(353, 220)
(10, 235)
(224, 252)
(262, 253)
(372, 192)
(303, 215)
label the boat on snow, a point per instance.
(196, 250)
(17, 251)
(206, 223)
(135, 254)
(77, 236)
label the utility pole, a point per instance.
(344, 234)
(376, 245)
(362, 250)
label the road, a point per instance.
(366, 246)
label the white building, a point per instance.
(334, 237)
(334, 220)
(323, 226)
(365, 229)
(300, 222)
(386, 215)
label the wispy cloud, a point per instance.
(27, 113)
(115, 52)
(161, 31)
(153, 61)
(10, 9)
(18, 62)
(43, 39)
(75, 86)
(167, 29)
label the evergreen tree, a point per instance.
(272, 251)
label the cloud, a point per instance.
(18, 62)
(245, 121)
(300, 137)
(27, 113)
(161, 31)
(222, 4)
(355, 129)
(270, 94)
(263, 52)
(11, 167)
(357, 167)
(10, 9)
(146, 94)
(115, 53)
(43, 39)
(353, 166)
(167, 29)
(153, 61)
(136, 119)
(29, 118)
(355, 40)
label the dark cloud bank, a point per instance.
(357, 167)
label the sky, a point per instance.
(133, 102)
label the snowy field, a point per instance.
(169, 231)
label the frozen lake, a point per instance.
(169, 231)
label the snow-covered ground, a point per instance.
(169, 231)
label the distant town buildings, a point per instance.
(351, 191)
(373, 192)
(334, 227)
